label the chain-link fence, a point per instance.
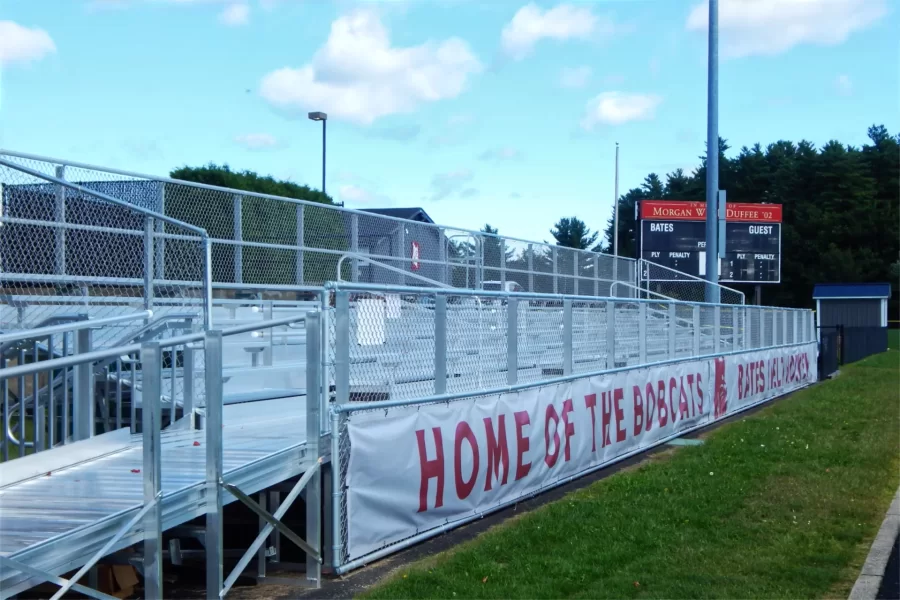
(267, 243)
(404, 343)
(655, 279)
(70, 250)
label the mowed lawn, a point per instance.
(782, 503)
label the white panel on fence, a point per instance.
(393, 306)
(370, 330)
(415, 468)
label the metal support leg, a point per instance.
(695, 313)
(314, 382)
(717, 329)
(671, 331)
(82, 390)
(261, 551)
(642, 333)
(151, 365)
(214, 549)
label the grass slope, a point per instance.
(783, 503)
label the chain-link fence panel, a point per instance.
(668, 282)
(262, 242)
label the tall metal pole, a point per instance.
(324, 121)
(616, 223)
(712, 157)
(616, 208)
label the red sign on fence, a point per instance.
(669, 210)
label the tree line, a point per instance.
(840, 210)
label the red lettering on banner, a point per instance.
(605, 413)
(673, 399)
(761, 376)
(430, 469)
(720, 390)
(590, 402)
(684, 411)
(522, 444)
(551, 459)
(464, 432)
(618, 396)
(638, 400)
(740, 382)
(497, 451)
(568, 427)
(661, 403)
(700, 390)
(651, 407)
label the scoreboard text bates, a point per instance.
(673, 234)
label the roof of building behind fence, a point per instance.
(410, 214)
(824, 291)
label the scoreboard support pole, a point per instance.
(712, 158)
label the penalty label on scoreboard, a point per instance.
(673, 234)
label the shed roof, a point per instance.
(833, 291)
(410, 214)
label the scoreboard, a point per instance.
(673, 234)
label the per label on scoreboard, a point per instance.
(673, 234)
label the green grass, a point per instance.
(780, 504)
(894, 339)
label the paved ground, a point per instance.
(890, 585)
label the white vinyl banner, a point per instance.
(415, 468)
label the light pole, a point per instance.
(712, 157)
(320, 116)
(616, 208)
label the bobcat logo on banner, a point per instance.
(415, 256)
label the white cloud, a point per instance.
(844, 85)
(22, 45)
(575, 77)
(257, 141)
(770, 27)
(355, 194)
(235, 14)
(501, 154)
(616, 108)
(445, 184)
(358, 76)
(566, 21)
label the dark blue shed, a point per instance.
(852, 304)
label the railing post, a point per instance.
(313, 428)
(567, 336)
(440, 344)
(238, 239)
(300, 235)
(160, 245)
(148, 263)
(796, 338)
(401, 235)
(554, 253)
(531, 268)
(214, 547)
(342, 348)
(503, 262)
(151, 418)
(671, 330)
(512, 341)
(60, 216)
(354, 246)
(642, 333)
(784, 327)
(735, 327)
(610, 334)
(596, 274)
(695, 314)
(576, 287)
(83, 390)
(717, 329)
(187, 379)
(268, 352)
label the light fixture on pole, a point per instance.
(320, 116)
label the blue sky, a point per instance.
(494, 111)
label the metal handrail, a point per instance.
(42, 332)
(368, 260)
(89, 357)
